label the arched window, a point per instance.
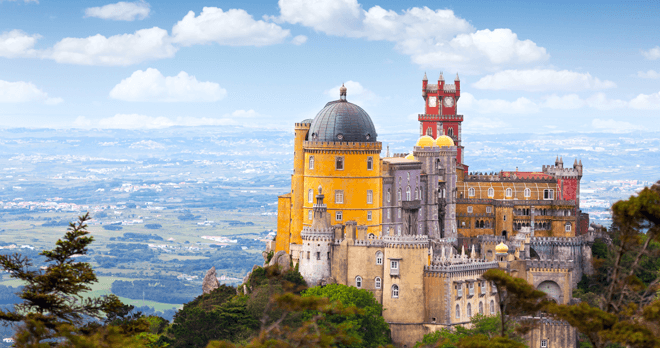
(311, 162)
(568, 227)
(408, 198)
(469, 310)
(471, 192)
(492, 307)
(339, 163)
(389, 195)
(398, 195)
(491, 192)
(358, 282)
(310, 215)
(416, 193)
(370, 197)
(429, 132)
(379, 258)
(421, 195)
(370, 163)
(395, 291)
(509, 192)
(528, 193)
(481, 308)
(450, 131)
(310, 196)
(458, 311)
(378, 282)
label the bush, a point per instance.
(112, 227)
(153, 226)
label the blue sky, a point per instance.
(524, 66)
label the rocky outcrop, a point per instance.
(210, 282)
(282, 259)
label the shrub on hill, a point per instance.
(153, 226)
(112, 227)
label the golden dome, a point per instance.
(444, 140)
(410, 156)
(425, 141)
(501, 248)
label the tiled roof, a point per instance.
(341, 121)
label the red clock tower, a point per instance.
(440, 116)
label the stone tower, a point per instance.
(315, 258)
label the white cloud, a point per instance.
(235, 27)
(16, 43)
(651, 74)
(355, 93)
(652, 54)
(614, 126)
(599, 101)
(124, 49)
(565, 102)
(82, 122)
(483, 124)
(121, 11)
(433, 38)
(487, 106)
(22, 92)
(646, 102)
(542, 80)
(137, 121)
(151, 85)
(299, 40)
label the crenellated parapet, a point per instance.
(313, 234)
(516, 202)
(560, 241)
(545, 265)
(412, 241)
(469, 265)
(351, 147)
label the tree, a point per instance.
(626, 308)
(54, 306)
(368, 326)
(516, 299)
(487, 326)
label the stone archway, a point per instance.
(553, 290)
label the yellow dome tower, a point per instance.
(444, 140)
(425, 141)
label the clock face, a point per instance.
(432, 102)
(449, 102)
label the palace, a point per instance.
(418, 230)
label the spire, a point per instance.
(580, 162)
(473, 254)
(388, 151)
(425, 78)
(575, 163)
(441, 78)
(342, 92)
(463, 251)
(320, 220)
(443, 258)
(457, 79)
(561, 160)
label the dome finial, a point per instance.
(425, 78)
(342, 92)
(441, 78)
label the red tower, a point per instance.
(440, 117)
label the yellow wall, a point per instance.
(283, 223)
(499, 188)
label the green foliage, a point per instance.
(486, 326)
(368, 326)
(599, 250)
(269, 256)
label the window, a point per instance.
(395, 291)
(491, 192)
(489, 210)
(408, 193)
(504, 217)
(394, 267)
(458, 311)
(370, 197)
(528, 193)
(388, 214)
(568, 227)
(421, 196)
(339, 196)
(338, 216)
(398, 230)
(450, 131)
(492, 307)
(471, 192)
(379, 258)
(509, 192)
(399, 213)
(310, 196)
(310, 215)
(482, 285)
(339, 163)
(548, 194)
(481, 308)
(469, 310)
(369, 215)
(378, 282)
(398, 195)
(471, 290)
(389, 195)
(311, 162)
(469, 209)
(370, 163)
(408, 176)
(459, 290)
(318, 255)
(358, 282)
(416, 193)
(544, 343)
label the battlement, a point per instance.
(557, 240)
(434, 151)
(415, 241)
(302, 125)
(490, 239)
(469, 265)
(369, 242)
(334, 145)
(515, 202)
(325, 234)
(550, 264)
(508, 177)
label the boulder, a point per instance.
(210, 281)
(283, 261)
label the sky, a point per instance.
(524, 66)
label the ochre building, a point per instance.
(418, 230)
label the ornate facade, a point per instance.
(418, 230)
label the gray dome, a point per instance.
(342, 121)
(307, 120)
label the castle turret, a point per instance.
(315, 258)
